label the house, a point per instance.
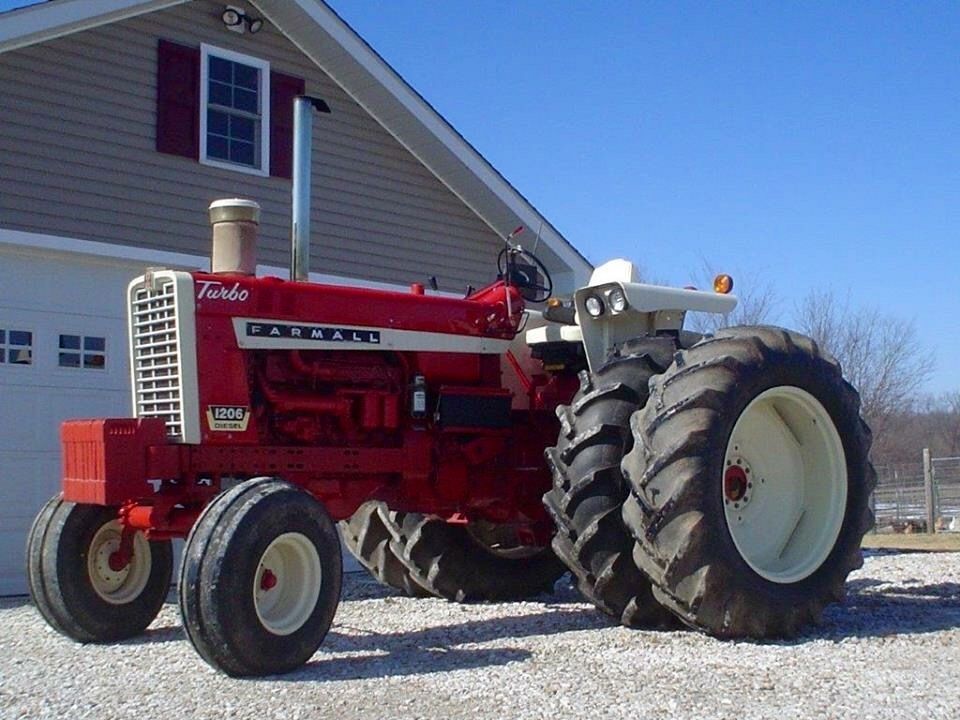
(120, 120)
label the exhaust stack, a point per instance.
(300, 222)
(235, 223)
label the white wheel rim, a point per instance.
(784, 484)
(286, 586)
(123, 585)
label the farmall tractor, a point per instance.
(471, 449)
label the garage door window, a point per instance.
(83, 351)
(16, 347)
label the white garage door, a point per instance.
(63, 353)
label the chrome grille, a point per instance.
(158, 385)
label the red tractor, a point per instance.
(721, 480)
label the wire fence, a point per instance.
(909, 494)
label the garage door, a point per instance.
(62, 355)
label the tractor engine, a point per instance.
(331, 398)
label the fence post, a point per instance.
(928, 491)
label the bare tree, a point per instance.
(942, 424)
(756, 303)
(881, 355)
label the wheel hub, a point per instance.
(737, 481)
(735, 484)
(109, 569)
(268, 580)
(118, 561)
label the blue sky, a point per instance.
(801, 144)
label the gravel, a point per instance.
(892, 650)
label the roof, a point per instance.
(339, 51)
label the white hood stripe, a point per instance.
(257, 334)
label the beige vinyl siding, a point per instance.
(77, 158)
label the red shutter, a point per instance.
(283, 89)
(178, 100)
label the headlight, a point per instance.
(618, 300)
(594, 306)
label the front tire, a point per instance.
(751, 479)
(260, 580)
(73, 584)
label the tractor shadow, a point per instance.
(436, 649)
(877, 608)
(872, 608)
(361, 653)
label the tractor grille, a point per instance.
(158, 385)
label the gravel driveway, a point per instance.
(891, 651)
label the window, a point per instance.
(16, 347)
(234, 110)
(180, 112)
(83, 351)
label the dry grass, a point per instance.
(941, 542)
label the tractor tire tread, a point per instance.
(367, 535)
(676, 540)
(589, 487)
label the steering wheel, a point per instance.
(524, 270)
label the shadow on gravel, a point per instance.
(155, 635)
(875, 608)
(433, 649)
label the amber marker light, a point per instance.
(554, 302)
(722, 284)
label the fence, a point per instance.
(916, 495)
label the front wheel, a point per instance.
(260, 580)
(78, 580)
(750, 483)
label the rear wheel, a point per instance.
(260, 580)
(464, 563)
(78, 580)
(589, 488)
(368, 535)
(751, 480)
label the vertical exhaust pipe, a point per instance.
(300, 222)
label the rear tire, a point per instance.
(368, 535)
(589, 488)
(455, 563)
(260, 580)
(72, 584)
(751, 479)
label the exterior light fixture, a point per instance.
(238, 21)
(594, 306)
(618, 300)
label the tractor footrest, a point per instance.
(105, 460)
